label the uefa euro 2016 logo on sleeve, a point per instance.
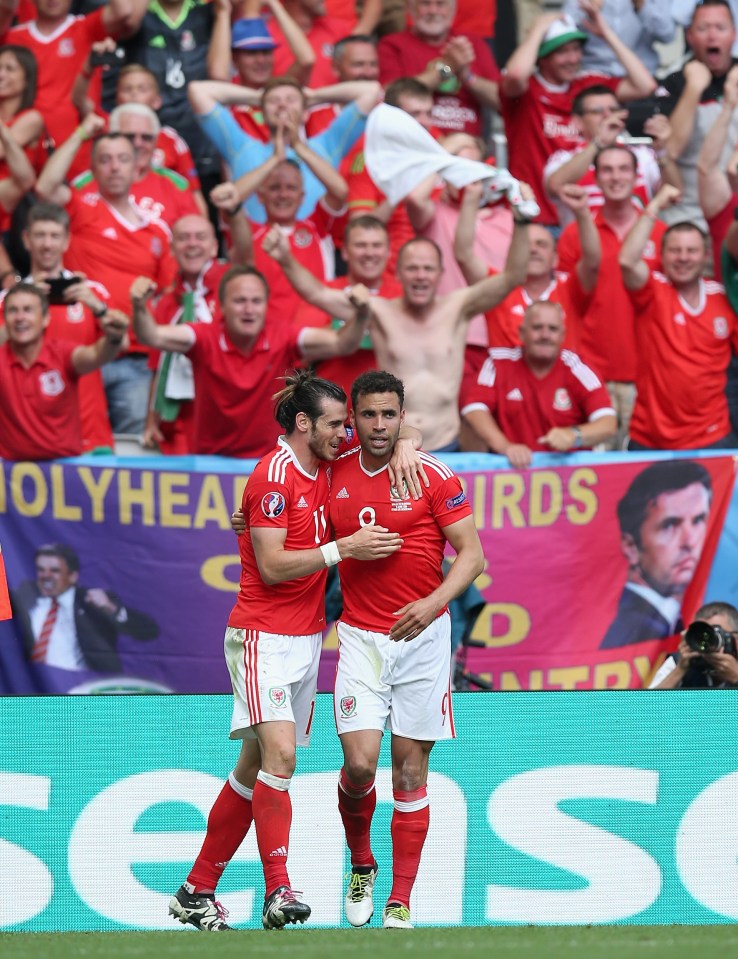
(272, 505)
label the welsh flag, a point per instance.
(5, 612)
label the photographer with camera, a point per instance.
(707, 657)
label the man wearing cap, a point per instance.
(539, 84)
(247, 46)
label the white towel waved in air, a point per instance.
(400, 153)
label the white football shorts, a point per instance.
(274, 679)
(403, 687)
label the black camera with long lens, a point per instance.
(705, 638)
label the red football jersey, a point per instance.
(280, 495)
(60, 56)
(323, 35)
(172, 153)
(309, 246)
(76, 324)
(526, 407)
(648, 179)
(503, 320)
(160, 195)
(234, 410)
(539, 123)
(114, 251)
(405, 54)
(40, 406)
(607, 335)
(682, 361)
(360, 498)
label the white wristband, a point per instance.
(330, 553)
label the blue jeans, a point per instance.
(127, 383)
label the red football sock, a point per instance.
(409, 829)
(228, 823)
(356, 805)
(273, 818)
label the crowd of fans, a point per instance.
(187, 212)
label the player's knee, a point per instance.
(360, 768)
(408, 775)
(279, 761)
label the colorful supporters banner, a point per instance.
(149, 566)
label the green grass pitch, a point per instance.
(523, 942)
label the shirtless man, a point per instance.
(419, 336)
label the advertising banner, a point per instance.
(574, 808)
(592, 569)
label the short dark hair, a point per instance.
(240, 270)
(376, 381)
(340, 45)
(304, 392)
(60, 551)
(665, 476)
(595, 90)
(420, 239)
(109, 136)
(405, 85)
(683, 226)
(711, 3)
(364, 222)
(719, 609)
(48, 212)
(28, 288)
(615, 146)
(273, 82)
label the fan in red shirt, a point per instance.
(136, 84)
(278, 185)
(74, 312)
(322, 32)
(538, 397)
(237, 363)
(113, 242)
(366, 249)
(193, 298)
(573, 291)
(272, 646)
(685, 329)
(538, 87)
(394, 641)
(39, 376)
(459, 69)
(159, 194)
(61, 43)
(607, 333)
